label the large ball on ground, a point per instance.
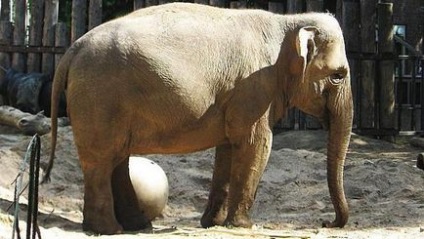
(150, 185)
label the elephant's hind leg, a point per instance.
(125, 200)
(216, 210)
(99, 216)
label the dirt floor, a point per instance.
(385, 191)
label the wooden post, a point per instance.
(5, 10)
(35, 34)
(205, 2)
(5, 39)
(367, 111)
(294, 6)
(151, 3)
(218, 3)
(276, 7)
(18, 59)
(79, 19)
(94, 13)
(163, 2)
(139, 4)
(386, 68)
(61, 39)
(314, 5)
(350, 24)
(238, 4)
(50, 19)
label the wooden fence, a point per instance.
(37, 45)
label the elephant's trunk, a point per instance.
(340, 109)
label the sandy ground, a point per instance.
(384, 188)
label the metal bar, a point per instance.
(399, 93)
(413, 95)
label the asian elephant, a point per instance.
(183, 77)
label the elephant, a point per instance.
(183, 77)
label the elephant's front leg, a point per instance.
(216, 210)
(126, 206)
(249, 157)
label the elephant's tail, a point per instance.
(59, 85)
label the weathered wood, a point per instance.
(79, 19)
(205, 2)
(314, 5)
(238, 4)
(386, 68)
(367, 79)
(294, 6)
(35, 34)
(61, 39)
(51, 13)
(151, 3)
(18, 59)
(28, 123)
(351, 25)
(5, 38)
(5, 10)
(163, 1)
(367, 95)
(218, 3)
(139, 4)
(94, 13)
(276, 7)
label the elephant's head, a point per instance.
(315, 76)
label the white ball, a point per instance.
(150, 184)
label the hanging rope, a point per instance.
(33, 155)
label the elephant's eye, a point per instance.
(336, 78)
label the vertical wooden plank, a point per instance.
(238, 4)
(139, 4)
(79, 19)
(294, 6)
(350, 24)
(367, 110)
(94, 13)
(314, 5)
(35, 34)
(386, 68)
(151, 3)
(18, 59)
(50, 19)
(205, 2)
(276, 7)
(5, 10)
(5, 39)
(218, 3)
(61, 39)
(160, 2)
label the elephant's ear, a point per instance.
(305, 46)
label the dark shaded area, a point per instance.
(29, 92)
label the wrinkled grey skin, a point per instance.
(181, 77)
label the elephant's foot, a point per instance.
(241, 220)
(134, 221)
(102, 226)
(210, 218)
(336, 223)
(126, 206)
